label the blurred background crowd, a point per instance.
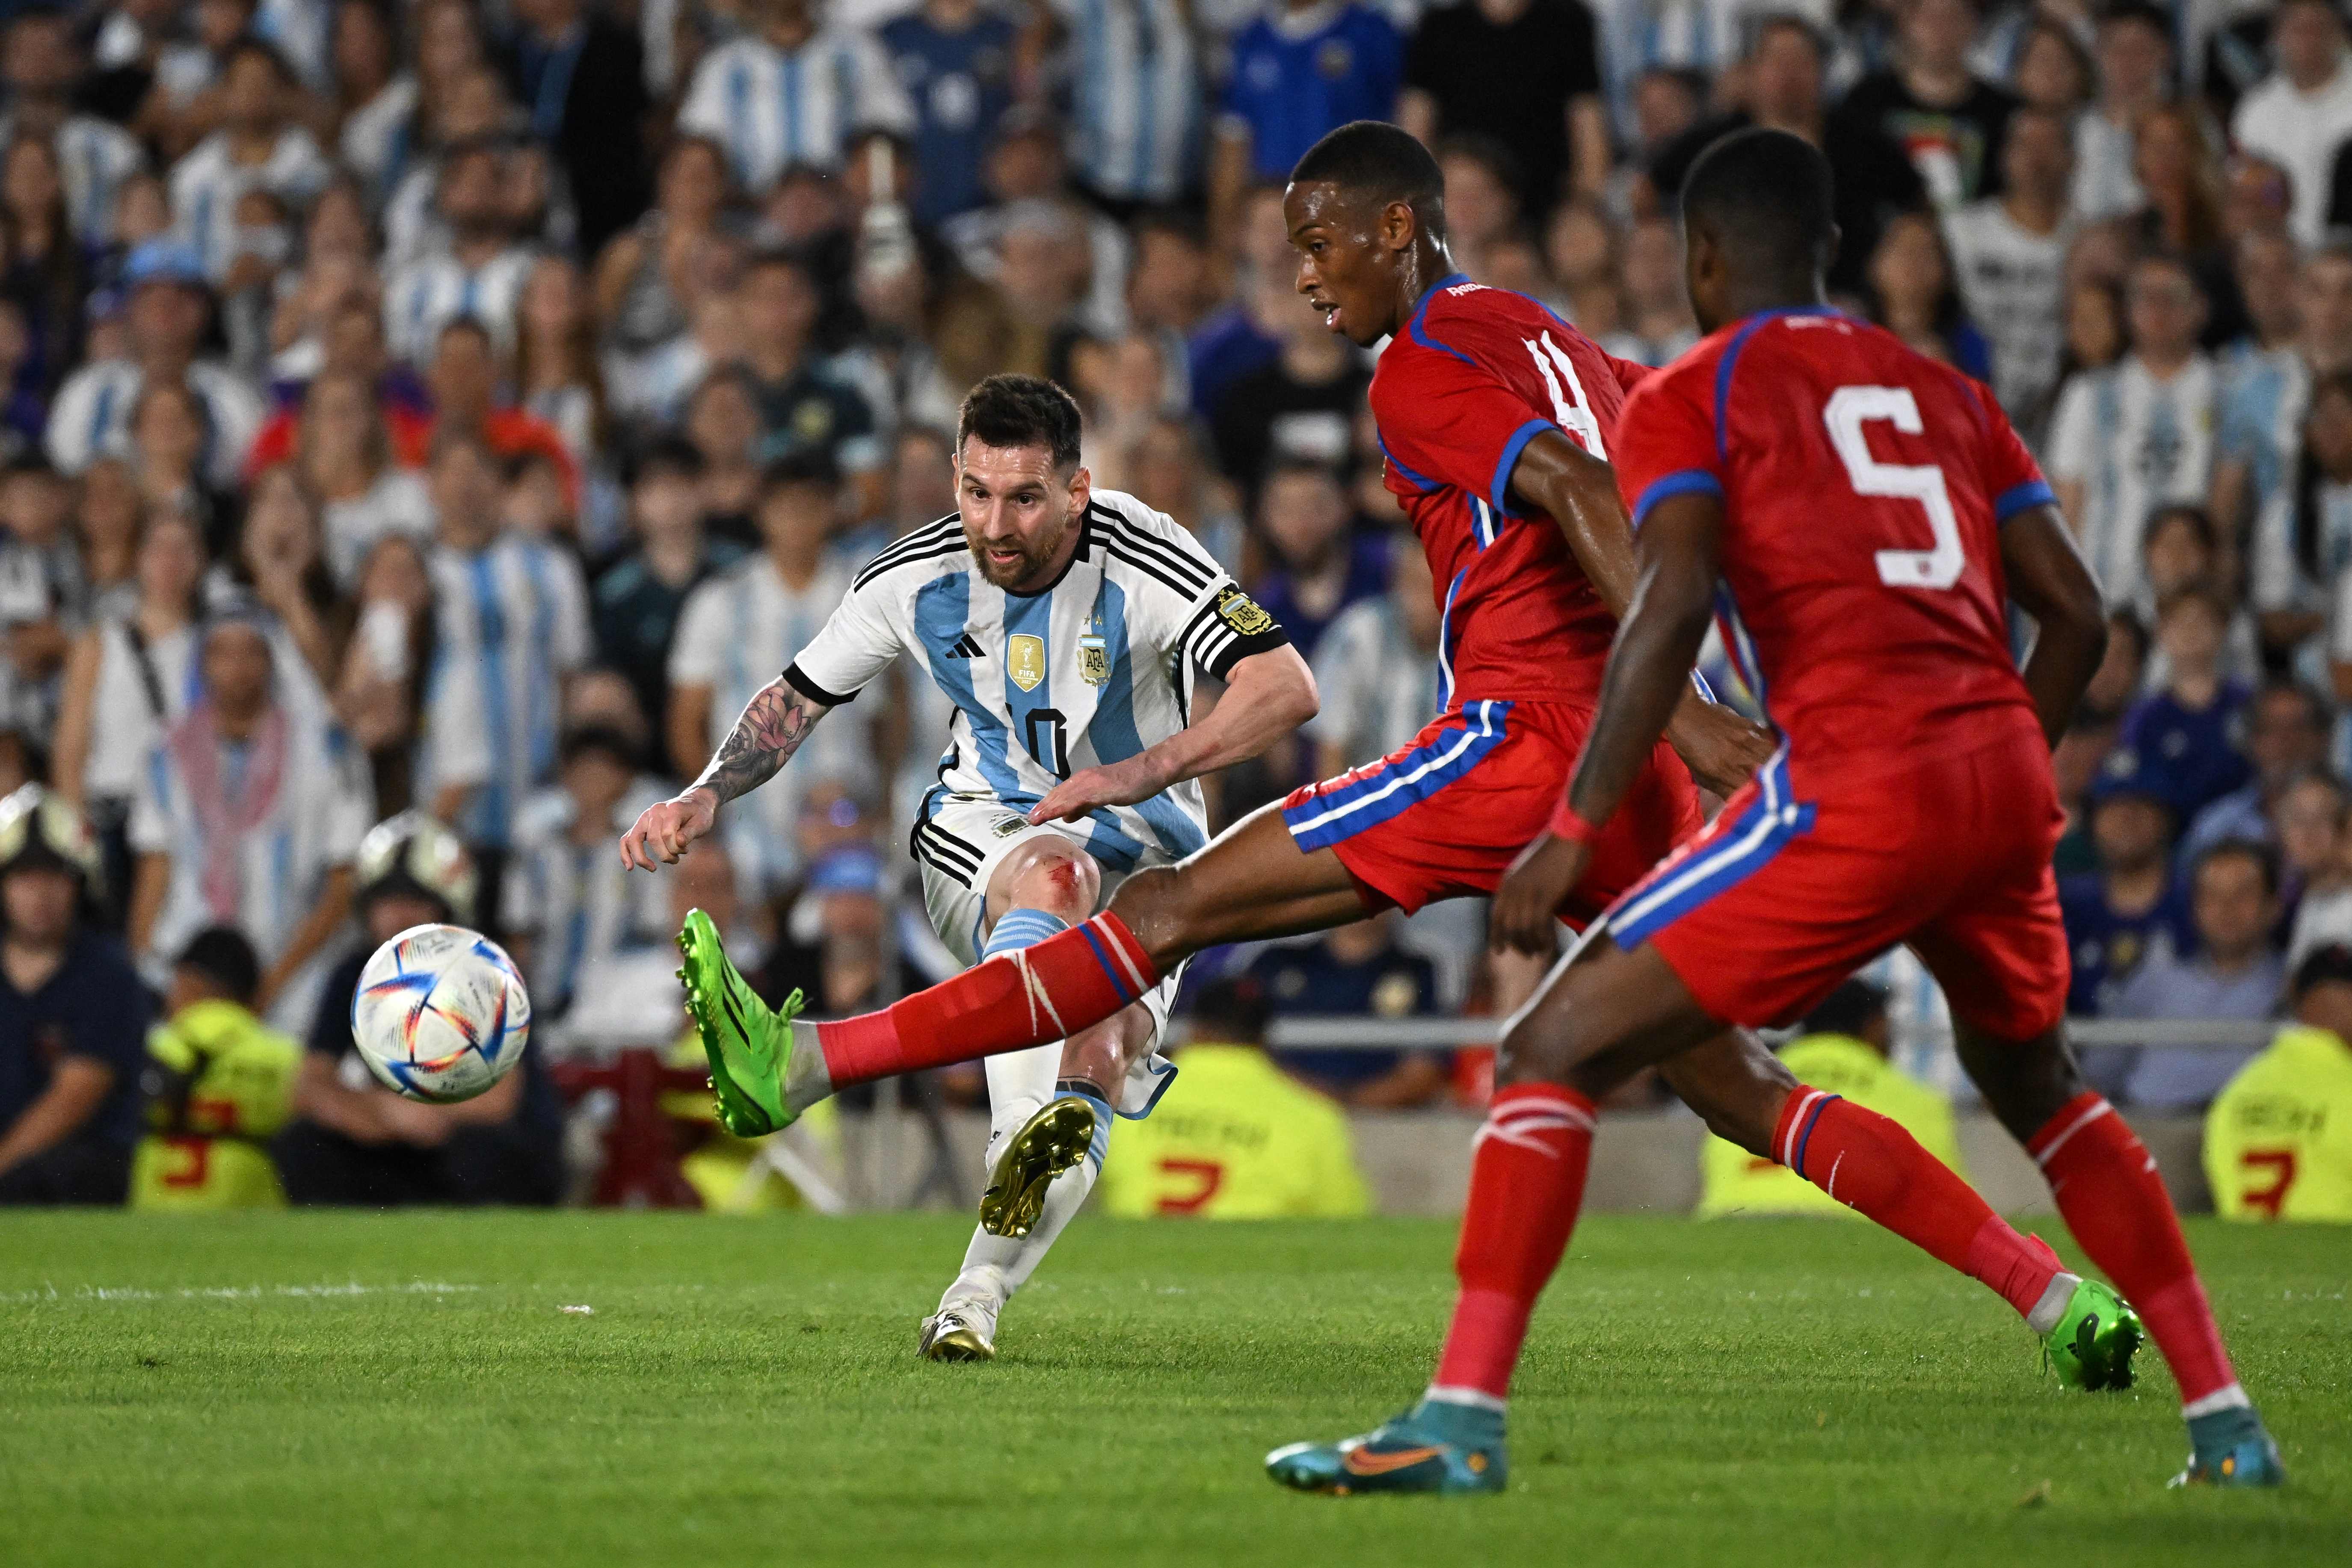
(452, 411)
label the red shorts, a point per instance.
(1446, 816)
(1805, 877)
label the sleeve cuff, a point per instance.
(2032, 493)
(1240, 648)
(1684, 482)
(814, 692)
(1500, 489)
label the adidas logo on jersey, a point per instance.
(966, 647)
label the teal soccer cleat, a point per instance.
(2231, 1448)
(1452, 1449)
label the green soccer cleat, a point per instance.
(1048, 1144)
(2097, 1336)
(750, 1044)
(1423, 1451)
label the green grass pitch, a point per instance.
(363, 1389)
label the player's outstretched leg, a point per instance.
(1874, 1167)
(1593, 1024)
(2113, 1201)
(1253, 880)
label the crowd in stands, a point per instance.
(455, 409)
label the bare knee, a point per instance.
(2024, 1081)
(1737, 1087)
(1058, 878)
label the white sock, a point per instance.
(996, 1266)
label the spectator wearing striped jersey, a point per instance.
(479, 277)
(257, 147)
(95, 156)
(248, 815)
(793, 91)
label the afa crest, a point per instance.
(1243, 613)
(1024, 659)
(1094, 660)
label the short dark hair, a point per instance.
(2194, 516)
(1767, 197)
(2329, 966)
(2315, 710)
(1229, 1012)
(603, 738)
(222, 955)
(1010, 410)
(671, 457)
(1374, 158)
(810, 467)
(1849, 1010)
(2150, 16)
(2264, 859)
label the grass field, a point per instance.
(361, 1389)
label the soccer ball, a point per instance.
(440, 1013)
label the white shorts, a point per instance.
(959, 841)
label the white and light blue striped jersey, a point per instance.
(734, 633)
(576, 902)
(94, 158)
(91, 417)
(1703, 36)
(207, 183)
(313, 823)
(772, 108)
(2135, 444)
(1135, 97)
(1093, 670)
(511, 622)
(433, 291)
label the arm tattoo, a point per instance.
(774, 723)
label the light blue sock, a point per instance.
(1021, 928)
(1079, 1089)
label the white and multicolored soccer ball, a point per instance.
(440, 1013)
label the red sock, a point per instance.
(2115, 1203)
(1527, 1180)
(1873, 1167)
(1028, 997)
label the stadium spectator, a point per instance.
(1322, 564)
(570, 905)
(2307, 824)
(1356, 970)
(804, 406)
(2134, 76)
(248, 814)
(379, 694)
(1234, 1137)
(95, 155)
(1844, 1049)
(1525, 72)
(2009, 257)
(512, 623)
(2182, 733)
(792, 91)
(650, 276)
(1299, 69)
(258, 148)
(466, 401)
(581, 76)
(1299, 408)
(1376, 671)
(166, 317)
(2286, 726)
(2303, 113)
(218, 1083)
(40, 590)
(1785, 90)
(72, 1015)
(343, 452)
(2261, 482)
(2179, 550)
(1948, 120)
(2233, 973)
(2130, 907)
(639, 597)
(355, 1141)
(958, 60)
(2135, 434)
(1657, 323)
(479, 277)
(2278, 1139)
(2180, 180)
(1914, 296)
(739, 627)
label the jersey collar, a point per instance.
(1085, 539)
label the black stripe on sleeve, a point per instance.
(1195, 574)
(798, 680)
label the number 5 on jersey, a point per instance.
(1851, 408)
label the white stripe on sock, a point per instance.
(1476, 1398)
(2073, 1127)
(2230, 1398)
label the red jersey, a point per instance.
(1863, 489)
(1476, 374)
